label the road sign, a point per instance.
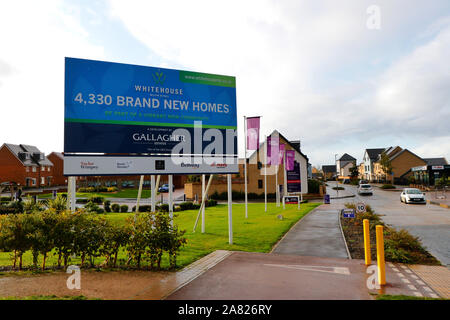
(348, 213)
(360, 207)
(326, 199)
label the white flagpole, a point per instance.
(277, 194)
(285, 180)
(265, 174)
(203, 200)
(245, 165)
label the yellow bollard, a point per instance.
(367, 242)
(380, 256)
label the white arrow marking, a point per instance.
(338, 270)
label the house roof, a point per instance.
(329, 168)
(346, 157)
(374, 153)
(403, 151)
(293, 144)
(58, 154)
(31, 161)
(436, 161)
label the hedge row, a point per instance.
(239, 195)
(145, 236)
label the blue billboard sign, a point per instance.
(123, 108)
(348, 213)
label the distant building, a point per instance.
(25, 165)
(329, 171)
(57, 159)
(402, 160)
(344, 164)
(435, 169)
(369, 158)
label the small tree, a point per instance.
(354, 172)
(385, 164)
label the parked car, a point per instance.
(365, 189)
(363, 182)
(165, 188)
(412, 195)
(346, 181)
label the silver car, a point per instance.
(412, 195)
(365, 189)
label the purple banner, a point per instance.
(281, 153)
(273, 147)
(253, 133)
(290, 157)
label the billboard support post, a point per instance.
(203, 199)
(230, 210)
(153, 192)
(141, 183)
(71, 193)
(171, 199)
(203, 202)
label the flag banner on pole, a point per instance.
(290, 157)
(253, 133)
(281, 153)
(273, 150)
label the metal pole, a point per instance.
(153, 192)
(203, 199)
(277, 193)
(71, 193)
(335, 163)
(245, 165)
(265, 174)
(368, 258)
(230, 211)
(171, 199)
(380, 256)
(203, 203)
(285, 193)
(141, 182)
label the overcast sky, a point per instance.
(311, 69)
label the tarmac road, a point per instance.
(429, 222)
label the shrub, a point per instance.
(124, 208)
(97, 199)
(112, 189)
(387, 186)
(93, 208)
(144, 208)
(164, 207)
(314, 186)
(189, 206)
(211, 203)
(107, 206)
(115, 207)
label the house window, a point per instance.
(260, 184)
(42, 180)
(43, 168)
(34, 169)
(48, 169)
(27, 169)
(33, 180)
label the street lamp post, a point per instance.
(335, 163)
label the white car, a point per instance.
(365, 189)
(412, 195)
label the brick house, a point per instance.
(25, 165)
(344, 164)
(57, 159)
(255, 173)
(402, 160)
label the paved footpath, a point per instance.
(318, 234)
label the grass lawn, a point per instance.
(258, 233)
(125, 193)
